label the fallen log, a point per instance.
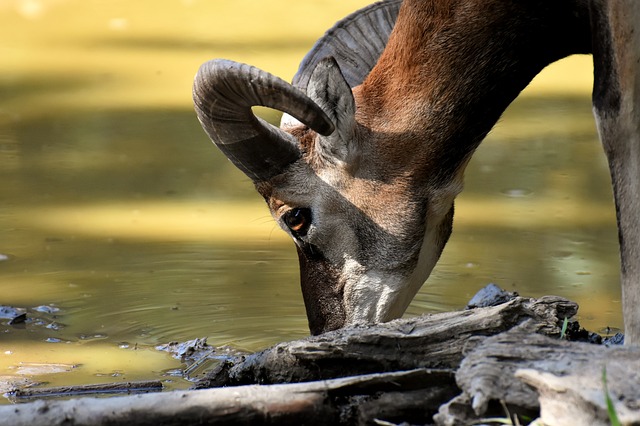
(403, 394)
(392, 397)
(78, 390)
(527, 375)
(428, 341)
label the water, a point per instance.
(117, 210)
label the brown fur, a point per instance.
(451, 67)
(377, 183)
(616, 99)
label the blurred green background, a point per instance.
(116, 209)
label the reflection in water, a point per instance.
(118, 211)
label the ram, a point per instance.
(384, 115)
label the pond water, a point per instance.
(126, 226)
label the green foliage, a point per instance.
(563, 332)
(611, 410)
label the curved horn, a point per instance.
(224, 92)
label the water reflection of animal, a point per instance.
(366, 165)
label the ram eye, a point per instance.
(298, 221)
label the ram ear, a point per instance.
(331, 92)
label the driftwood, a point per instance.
(410, 395)
(433, 341)
(530, 375)
(429, 341)
(78, 390)
(454, 368)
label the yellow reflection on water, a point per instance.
(121, 53)
(61, 364)
(226, 222)
(232, 222)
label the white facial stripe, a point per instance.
(367, 294)
(378, 296)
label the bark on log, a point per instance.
(406, 396)
(562, 380)
(411, 396)
(429, 341)
(77, 390)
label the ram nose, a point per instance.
(323, 292)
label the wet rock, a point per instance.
(10, 312)
(10, 384)
(20, 319)
(190, 351)
(91, 337)
(37, 368)
(14, 315)
(490, 295)
(184, 350)
(575, 333)
(617, 339)
(39, 316)
(198, 356)
(47, 309)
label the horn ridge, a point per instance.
(224, 92)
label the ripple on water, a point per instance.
(516, 192)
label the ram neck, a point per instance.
(451, 68)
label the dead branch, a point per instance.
(563, 381)
(99, 388)
(411, 395)
(428, 341)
